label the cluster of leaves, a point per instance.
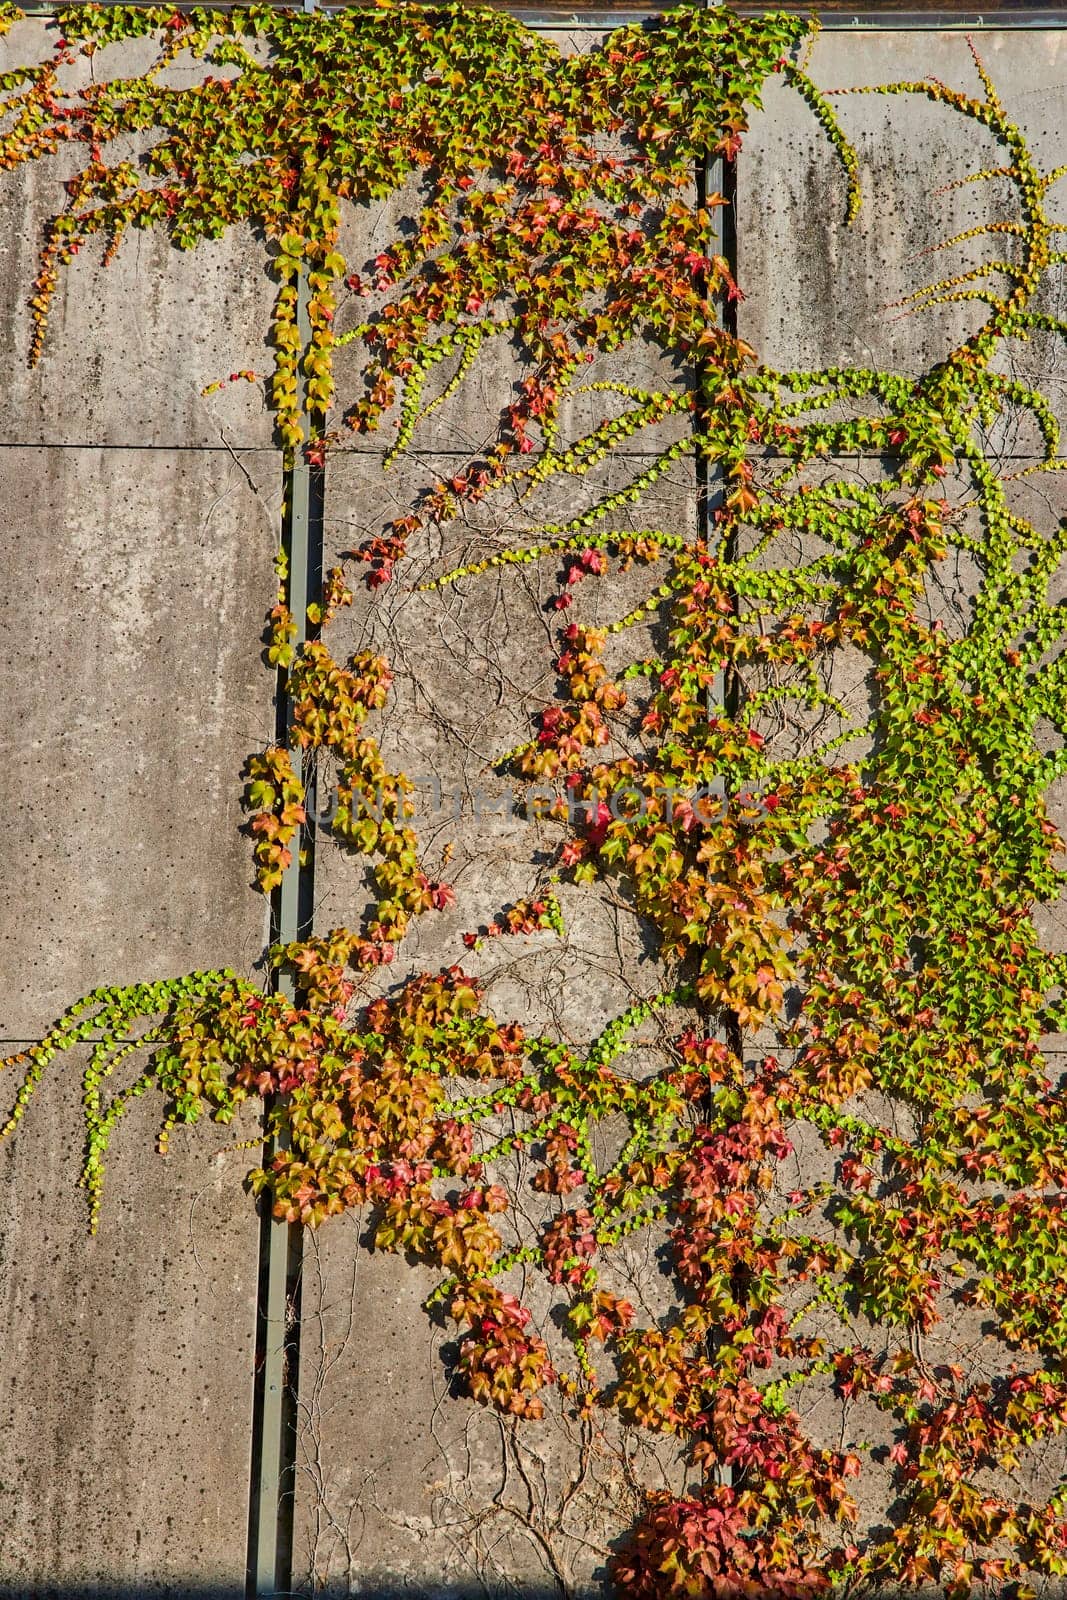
(526, 202)
(525, 916)
(329, 705)
(849, 928)
(370, 807)
(890, 895)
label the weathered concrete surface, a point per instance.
(136, 587)
(467, 421)
(129, 347)
(821, 293)
(404, 1488)
(125, 1383)
(130, 615)
(473, 665)
(402, 1482)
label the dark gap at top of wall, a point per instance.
(423, 1589)
(872, 8)
(603, 13)
(177, 1589)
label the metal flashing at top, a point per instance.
(874, 19)
(834, 16)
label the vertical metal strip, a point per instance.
(281, 1244)
(714, 179)
(717, 177)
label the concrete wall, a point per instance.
(138, 528)
(139, 524)
(401, 1485)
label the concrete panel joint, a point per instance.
(273, 1469)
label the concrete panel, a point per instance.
(467, 422)
(135, 584)
(403, 1484)
(474, 663)
(130, 347)
(126, 1376)
(821, 293)
(404, 1488)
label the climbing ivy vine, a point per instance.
(842, 932)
